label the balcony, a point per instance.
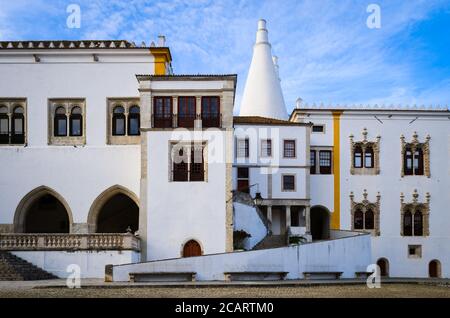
(162, 121)
(211, 120)
(186, 120)
(71, 242)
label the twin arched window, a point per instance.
(413, 223)
(122, 127)
(12, 131)
(363, 157)
(413, 161)
(364, 220)
(75, 122)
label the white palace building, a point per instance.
(111, 162)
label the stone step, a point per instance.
(271, 241)
(13, 267)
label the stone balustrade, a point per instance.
(71, 242)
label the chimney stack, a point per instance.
(161, 41)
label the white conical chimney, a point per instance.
(262, 93)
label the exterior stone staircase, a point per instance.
(246, 198)
(15, 268)
(271, 241)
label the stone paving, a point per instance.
(343, 288)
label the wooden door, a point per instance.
(192, 248)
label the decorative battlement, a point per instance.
(85, 44)
(68, 242)
(305, 106)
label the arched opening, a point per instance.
(114, 211)
(192, 248)
(117, 215)
(383, 263)
(42, 211)
(320, 223)
(434, 269)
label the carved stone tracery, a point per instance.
(416, 207)
(365, 144)
(364, 206)
(414, 145)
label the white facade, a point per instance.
(92, 168)
(84, 172)
(389, 125)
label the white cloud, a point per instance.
(326, 51)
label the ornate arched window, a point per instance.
(366, 214)
(368, 157)
(76, 122)
(60, 126)
(4, 125)
(365, 155)
(415, 216)
(124, 121)
(357, 157)
(134, 121)
(415, 156)
(118, 121)
(407, 223)
(358, 220)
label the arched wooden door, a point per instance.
(192, 248)
(384, 267)
(434, 269)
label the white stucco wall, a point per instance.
(390, 244)
(92, 263)
(335, 255)
(258, 165)
(246, 218)
(78, 174)
(180, 211)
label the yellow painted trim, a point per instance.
(162, 59)
(336, 215)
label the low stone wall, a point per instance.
(91, 263)
(326, 256)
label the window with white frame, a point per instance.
(288, 182)
(188, 162)
(266, 148)
(242, 148)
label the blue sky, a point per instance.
(326, 51)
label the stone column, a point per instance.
(269, 216)
(308, 219)
(175, 111)
(288, 217)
